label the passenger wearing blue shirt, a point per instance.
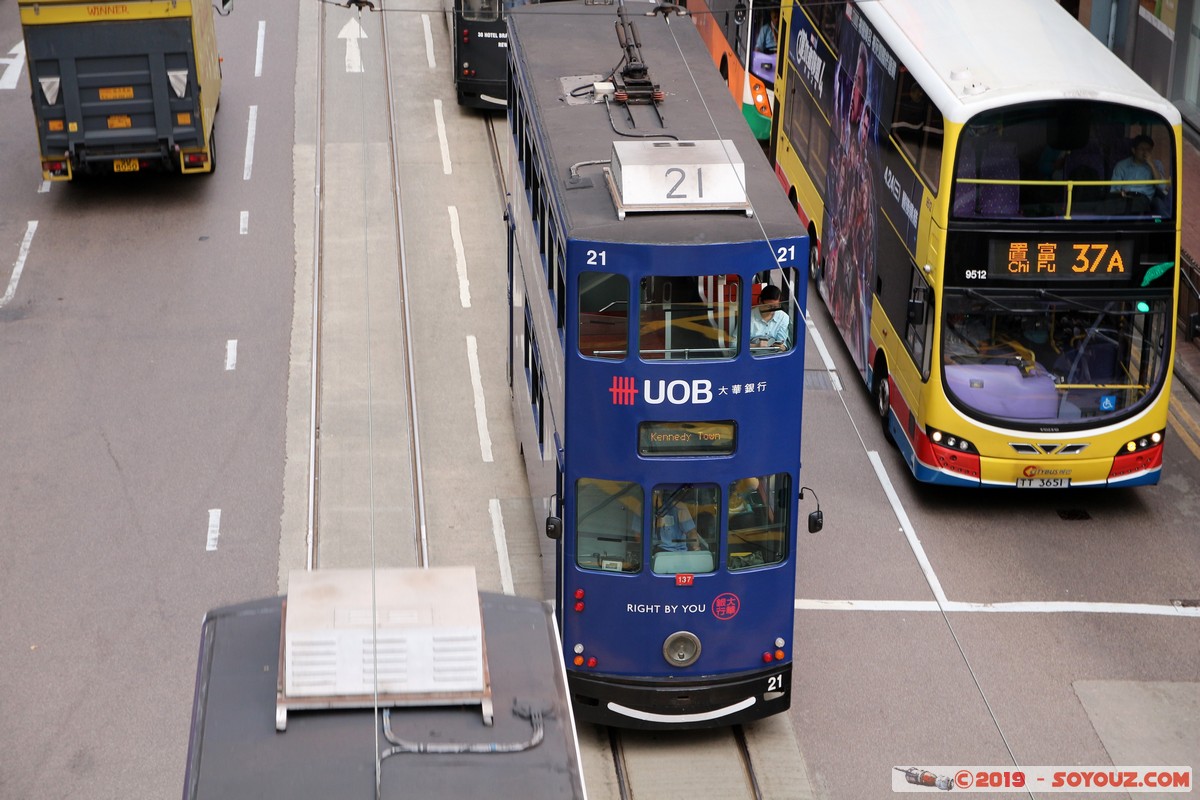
(1140, 166)
(770, 327)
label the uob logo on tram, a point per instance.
(697, 391)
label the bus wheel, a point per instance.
(814, 258)
(883, 397)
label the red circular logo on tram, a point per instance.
(726, 606)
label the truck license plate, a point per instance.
(125, 165)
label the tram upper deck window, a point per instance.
(603, 315)
(480, 10)
(608, 525)
(759, 510)
(689, 318)
(1065, 160)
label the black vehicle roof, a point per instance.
(235, 751)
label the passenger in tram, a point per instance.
(770, 326)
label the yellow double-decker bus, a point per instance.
(995, 201)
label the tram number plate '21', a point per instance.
(1043, 483)
(776, 683)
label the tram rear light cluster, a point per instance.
(578, 600)
(778, 654)
(466, 35)
(579, 660)
(468, 72)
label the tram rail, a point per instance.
(322, 210)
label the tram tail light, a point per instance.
(579, 600)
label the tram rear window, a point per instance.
(686, 438)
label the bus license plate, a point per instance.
(1043, 483)
(119, 121)
(125, 165)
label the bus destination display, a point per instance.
(1060, 259)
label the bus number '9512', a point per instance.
(975, 274)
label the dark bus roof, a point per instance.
(235, 751)
(572, 39)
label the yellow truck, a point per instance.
(123, 86)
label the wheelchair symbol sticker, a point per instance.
(1108, 402)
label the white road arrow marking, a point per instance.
(12, 72)
(352, 32)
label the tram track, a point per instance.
(645, 764)
(326, 208)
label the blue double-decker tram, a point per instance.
(655, 273)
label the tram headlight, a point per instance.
(681, 649)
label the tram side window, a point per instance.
(560, 284)
(603, 315)
(688, 318)
(759, 517)
(773, 313)
(608, 525)
(684, 532)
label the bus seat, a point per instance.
(999, 162)
(671, 562)
(965, 193)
